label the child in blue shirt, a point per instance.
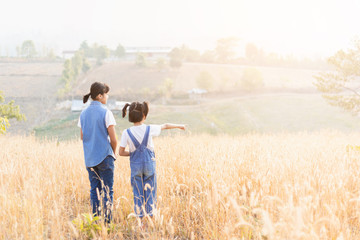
(97, 125)
(142, 156)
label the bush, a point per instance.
(141, 60)
(204, 80)
(252, 79)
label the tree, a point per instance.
(161, 64)
(86, 49)
(168, 85)
(96, 51)
(8, 111)
(51, 55)
(72, 69)
(254, 54)
(141, 60)
(77, 62)
(100, 53)
(86, 65)
(190, 55)
(204, 80)
(208, 56)
(119, 51)
(251, 51)
(176, 58)
(18, 51)
(165, 89)
(252, 79)
(225, 49)
(67, 77)
(341, 86)
(28, 49)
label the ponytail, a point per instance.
(86, 97)
(137, 111)
(145, 108)
(124, 110)
(96, 89)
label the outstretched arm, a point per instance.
(171, 126)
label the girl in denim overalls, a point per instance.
(97, 125)
(142, 156)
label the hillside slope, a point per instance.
(122, 77)
(234, 116)
(288, 101)
(33, 87)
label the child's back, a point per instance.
(142, 156)
(139, 132)
(143, 174)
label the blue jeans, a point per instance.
(102, 180)
(143, 182)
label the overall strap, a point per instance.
(146, 136)
(133, 139)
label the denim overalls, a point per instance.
(143, 175)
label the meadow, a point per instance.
(254, 186)
(267, 113)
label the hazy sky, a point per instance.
(301, 27)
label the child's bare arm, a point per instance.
(171, 126)
(112, 135)
(123, 153)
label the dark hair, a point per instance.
(96, 89)
(137, 111)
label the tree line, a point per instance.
(225, 53)
(80, 63)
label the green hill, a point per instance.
(263, 114)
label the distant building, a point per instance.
(131, 53)
(196, 93)
(78, 105)
(151, 53)
(64, 105)
(115, 105)
(68, 54)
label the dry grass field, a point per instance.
(273, 186)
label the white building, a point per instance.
(151, 53)
(68, 54)
(78, 105)
(196, 93)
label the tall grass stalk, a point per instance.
(280, 186)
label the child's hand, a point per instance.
(172, 126)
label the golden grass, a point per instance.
(281, 186)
